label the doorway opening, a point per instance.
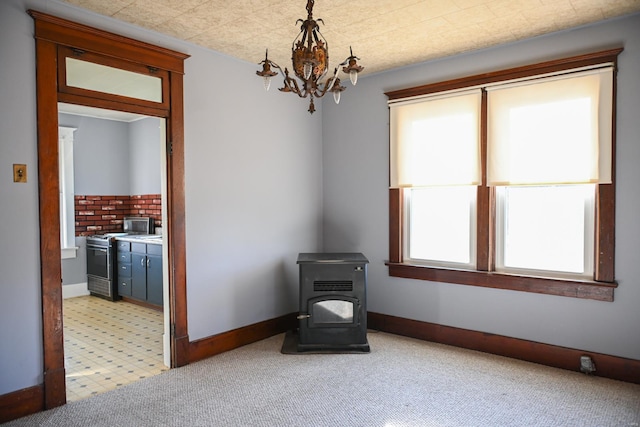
(111, 170)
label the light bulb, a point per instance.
(307, 69)
(353, 76)
(266, 80)
(336, 96)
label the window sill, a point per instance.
(600, 291)
(68, 253)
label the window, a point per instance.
(545, 231)
(100, 78)
(441, 224)
(506, 180)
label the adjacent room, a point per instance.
(466, 170)
(112, 182)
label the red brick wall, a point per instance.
(104, 214)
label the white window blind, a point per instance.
(436, 141)
(555, 130)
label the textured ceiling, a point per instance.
(384, 33)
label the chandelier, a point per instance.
(310, 58)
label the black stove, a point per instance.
(101, 266)
(333, 311)
(101, 257)
(104, 239)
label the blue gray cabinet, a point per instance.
(154, 277)
(123, 268)
(142, 268)
(139, 274)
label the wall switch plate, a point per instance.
(19, 173)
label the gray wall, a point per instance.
(144, 157)
(74, 270)
(253, 193)
(253, 190)
(20, 317)
(100, 155)
(113, 157)
(355, 157)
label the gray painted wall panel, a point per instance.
(254, 195)
(144, 160)
(100, 155)
(20, 297)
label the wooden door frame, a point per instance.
(50, 34)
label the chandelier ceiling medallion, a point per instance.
(310, 59)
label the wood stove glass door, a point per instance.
(329, 311)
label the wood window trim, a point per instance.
(603, 285)
(552, 66)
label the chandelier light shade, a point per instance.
(310, 61)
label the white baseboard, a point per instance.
(75, 290)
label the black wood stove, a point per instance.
(333, 312)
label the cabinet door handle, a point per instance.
(142, 262)
(148, 262)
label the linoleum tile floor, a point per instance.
(109, 344)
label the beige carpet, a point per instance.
(402, 383)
